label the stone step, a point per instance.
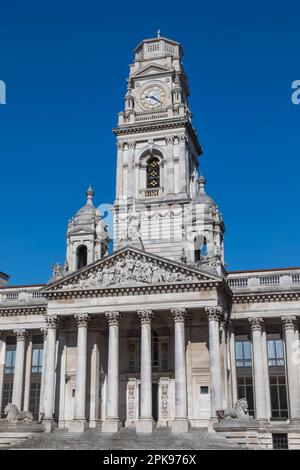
(126, 439)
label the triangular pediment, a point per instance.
(151, 69)
(130, 267)
(81, 231)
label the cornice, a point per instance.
(16, 311)
(134, 290)
(266, 297)
(138, 128)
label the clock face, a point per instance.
(153, 97)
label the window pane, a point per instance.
(239, 350)
(279, 348)
(271, 349)
(247, 349)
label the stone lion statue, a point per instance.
(13, 415)
(240, 410)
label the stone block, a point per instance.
(78, 426)
(179, 426)
(144, 426)
(111, 426)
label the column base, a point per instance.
(78, 425)
(180, 425)
(111, 426)
(145, 426)
(48, 424)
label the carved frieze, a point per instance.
(128, 270)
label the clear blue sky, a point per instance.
(65, 64)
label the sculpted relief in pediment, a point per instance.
(127, 271)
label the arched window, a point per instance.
(200, 247)
(153, 176)
(81, 256)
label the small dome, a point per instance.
(201, 196)
(88, 212)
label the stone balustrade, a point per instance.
(265, 280)
(16, 296)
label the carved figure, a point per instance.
(13, 415)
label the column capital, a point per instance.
(44, 332)
(82, 319)
(52, 321)
(145, 316)
(214, 313)
(113, 318)
(20, 334)
(256, 323)
(179, 314)
(289, 322)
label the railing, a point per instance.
(239, 282)
(151, 117)
(23, 296)
(260, 281)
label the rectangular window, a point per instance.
(243, 353)
(37, 359)
(275, 352)
(132, 362)
(10, 358)
(280, 441)
(164, 356)
(245, 390)
(34, 398)
(278, 397)
(203, 390)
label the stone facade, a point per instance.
(156, 333)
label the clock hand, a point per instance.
(154, 98)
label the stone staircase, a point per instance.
(126, 439)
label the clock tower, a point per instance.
(157, 189)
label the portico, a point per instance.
(156, 351)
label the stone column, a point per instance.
(19, 369)
(112, 423)
(169, 180)
(145, 423)
(79, 422)
(258, 369)
(44, 332)
(119, 182)
(214, 316)
(234, 396)
(182, 164)
(180, 423)
(292, 353)
(2, 363)
(52, 324)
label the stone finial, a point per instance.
(20, 334)
(201, 184)
(82, 319)
(145, 316)
(256, 323)
(113, 318)
(289, 322)
(52, 321)
(214, 313)
(179, 314)
(90, 194)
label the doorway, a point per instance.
(155, 402)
